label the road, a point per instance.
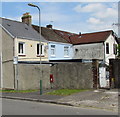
(20, 107)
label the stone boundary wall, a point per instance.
(29, 76)
(72, 75)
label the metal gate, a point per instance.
(102, 77)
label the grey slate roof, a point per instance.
(50, 34)
(20, 30)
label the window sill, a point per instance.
(53, 56)
(40, 56)
(21, 55)
(66, 56)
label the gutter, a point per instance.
(13, 61)
(89, 43)
(59, 42)
(32, 39)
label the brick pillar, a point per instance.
(95, 74)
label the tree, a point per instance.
(118, 50)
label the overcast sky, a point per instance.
(74, 17)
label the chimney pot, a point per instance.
(27, 18)
(80, 34)
(49, 26)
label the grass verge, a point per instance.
(18, 91)
(65, 92)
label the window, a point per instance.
(21, 48)
(107, 48)
(115, 49)
(66, 51)
(40, 50)
(52, 50)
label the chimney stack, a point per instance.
(80, 34)
(49, 26)
(27, 18)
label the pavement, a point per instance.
(99, 99)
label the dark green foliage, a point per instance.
(118, 48)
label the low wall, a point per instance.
(72, 75)
(29, 76)
(8, 75)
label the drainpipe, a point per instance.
(13, 60)
(15, 64)
(1, 75)
(1, 72)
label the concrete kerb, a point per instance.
(64, 102)
(37, 100)
(51, 101)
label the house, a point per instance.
(25, 40)
(98, 45)
(20, 43)
(101, 46)
(59, 49)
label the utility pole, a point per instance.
(40, 48)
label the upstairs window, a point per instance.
(115, 49)
(21, 48)
(107, 48)
(52, 50)
(40, 50)
(66, 51)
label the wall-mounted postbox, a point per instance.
(51, 78)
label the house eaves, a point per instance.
(7, 31)
(31, 39)
(60, 42)
(89, 43)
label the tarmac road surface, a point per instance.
(20, 107)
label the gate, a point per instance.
(102, 77)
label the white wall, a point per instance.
(111, 54)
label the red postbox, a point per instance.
(51, 78)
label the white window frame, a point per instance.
(52, 49)
(21, 53)
(42, 47)
(66, 50)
